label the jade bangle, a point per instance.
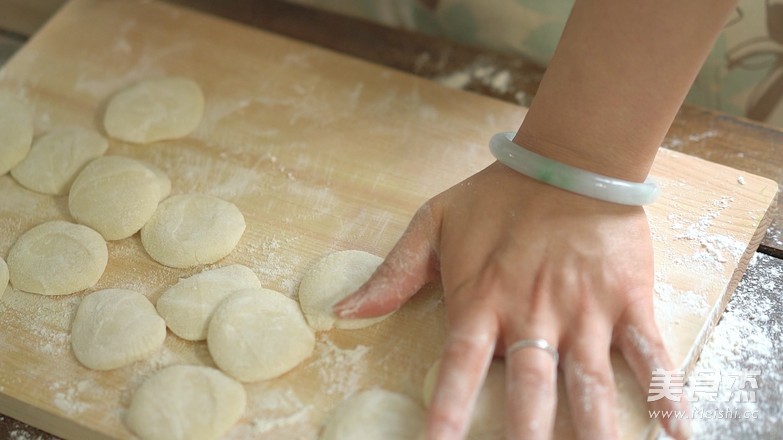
(570, 178)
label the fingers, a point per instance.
(590, 384)
(410, 264)
(531, 387)
(641, 344)
(464, 364)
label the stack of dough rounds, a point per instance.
(376, 414)
(186, 402)
(16, 131)
(57, 258)
(3, 277)
(331, 279)
(57, 157)
(117, 195)
(154, 110)
(259, 334)
(488, 420)
(192, 229)
(114, 328)
(188, 305)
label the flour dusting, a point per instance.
(747, 341)
(712, 250)
(487, 75)
(340, 370)
(279, 409)
(669, 300)
(273, 262)
(68, 396)
(675, 143)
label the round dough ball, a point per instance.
(192, 229)
(57, 157)
(114, 328)
(188, 305)
(331, 279)
(376, 414)
(489, 413)
(259, 334)
(16, 131)
(186, 402)
(3, 277)
(154, 110)
(115, 196)
(57, 258)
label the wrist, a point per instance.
(570, 178)
(619, 162)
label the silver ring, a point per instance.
(534, 343)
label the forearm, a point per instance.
(620, 73)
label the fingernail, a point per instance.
(347, 307)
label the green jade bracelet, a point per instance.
(570, 178)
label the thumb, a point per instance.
(410, 265)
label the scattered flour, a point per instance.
(280, 412)
(745, 342)
(456, 80)
(670, 300)
(340, 370)
(698, 137)
(18, 434)
(712, 250)
(497, 80)
(220, 179)
(279, 409)
(51, 341)
(68, 396)
(271, 260)
(676, 143)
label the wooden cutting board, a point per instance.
(321, 153)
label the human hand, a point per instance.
(519, 260)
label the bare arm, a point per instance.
(619, 75)
(521, 260)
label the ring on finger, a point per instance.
(534, 343)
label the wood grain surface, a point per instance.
(320, 152)
(747, 145)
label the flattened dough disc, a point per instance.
(376, 414)
(259, 334)
(57, 258)
(154, 110)
(188, 305)
(16, 131)
(57, 157)
(186, 402)
(192, 229)
(114, 328)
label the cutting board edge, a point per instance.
(716, 312)
(47, 421)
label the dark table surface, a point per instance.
(746, 339)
